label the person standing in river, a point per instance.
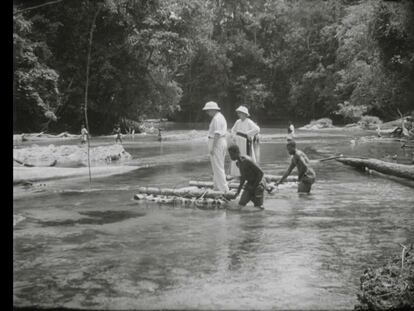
(306, 175)
(250, 172)
(291, 130)
(243, 133)
(84, 134)
(217, 145)
(118, 134)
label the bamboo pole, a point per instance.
(232, 185)
(269, 178)
(210, 184)
(86, 89)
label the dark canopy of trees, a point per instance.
(295, 59)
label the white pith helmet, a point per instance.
(244, 110)
(211, 106)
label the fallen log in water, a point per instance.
(185, 193)
(394, 169)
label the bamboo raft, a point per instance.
(186, 193)
(199, 194)
(206, 198)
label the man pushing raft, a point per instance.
(250, 172)
(306, 174)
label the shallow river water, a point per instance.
(81, 246)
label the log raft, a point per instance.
(184, 193)
(394, 169)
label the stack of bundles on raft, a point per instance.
(390, 287)
(189, 196)
(69, 155)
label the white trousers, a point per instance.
(217, 163)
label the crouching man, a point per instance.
(250, 172)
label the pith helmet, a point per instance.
(211, 106)
(244, 110)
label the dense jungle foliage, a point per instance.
(284, 59)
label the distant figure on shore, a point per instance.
(306, 175)
(84, 134)
(291, 130)
(243, 132)
(118, 134)
(378, 130)
(159, 134)
(250, 172)
(217, 145)
(131, 131)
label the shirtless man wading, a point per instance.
(306, 175)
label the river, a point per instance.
(77, 245)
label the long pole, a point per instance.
(86, 90)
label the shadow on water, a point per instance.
(95, 218)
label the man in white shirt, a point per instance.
(217, 145)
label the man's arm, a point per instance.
(287, 173)
(242, 181)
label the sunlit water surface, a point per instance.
(81, 246)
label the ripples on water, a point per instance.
(82, 247)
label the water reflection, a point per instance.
(244, 247)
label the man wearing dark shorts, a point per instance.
(306, 175)
(250, 172)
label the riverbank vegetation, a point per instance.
(165, 58)
(390, 287)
